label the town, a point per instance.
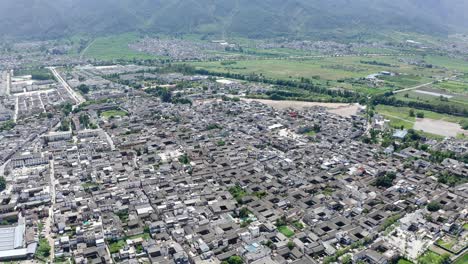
(143, 164)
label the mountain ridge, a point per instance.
(248, 18)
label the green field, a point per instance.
(449, 63)
(446, 243)
(453, 87)
(286, 231)
(113, 113)
(462, 260)
(399, 116)
(115, 47)
(459, 101)
(329, 68)
(430, 257)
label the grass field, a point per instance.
(430, 257)
(460, 101)
(462, 260)
(453, 87)
(446, 243)
(399, 116)
(286, 231)
(113, 113)
(115, 47)
(449, 63)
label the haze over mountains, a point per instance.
(248, 18)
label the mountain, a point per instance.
(249, 18)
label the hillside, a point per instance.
(249, 18)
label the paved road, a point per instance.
(15, 116)
(50, 220)
(75, 96)
(423, 85)
(8, 80)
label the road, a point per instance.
(423, 85)
(15, 116)
(50, 220)
(34, 92)
(75, 96)
(8, 80)
(86, 49)
(109, 140)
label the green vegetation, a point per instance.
(286, 231)
(2, 183)
(67, 108)
(431, 257)
(86, 123)
(406, 117)
(113, 113)
(123, 215)
(213, 126)
(115, 47)
(238, 193)
(390, 221)
(184, 159)
(446, 242)
(84, 89)
(332, 68)
(64, 125)
(116, 246)
(462, 260)
(43, 249)
(260, 194)
(233, 260)
(434, 206)
(7, 125)
(298, 225)
(386, 180)
(451, 179)
(39, 74)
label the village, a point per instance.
(125, 164)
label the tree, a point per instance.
(386, 180)
(411, 113)
(420, 115)
(67, 108)
(84, 89)
(244, 212)
(433, 206)
(235, 260)
(347, 259)
(166, 96)
(2, 183)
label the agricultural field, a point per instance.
(327, 68)
(456, 87)
(432, 123)
(434, 96)
(115, 47)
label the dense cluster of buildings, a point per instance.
(219, 180)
